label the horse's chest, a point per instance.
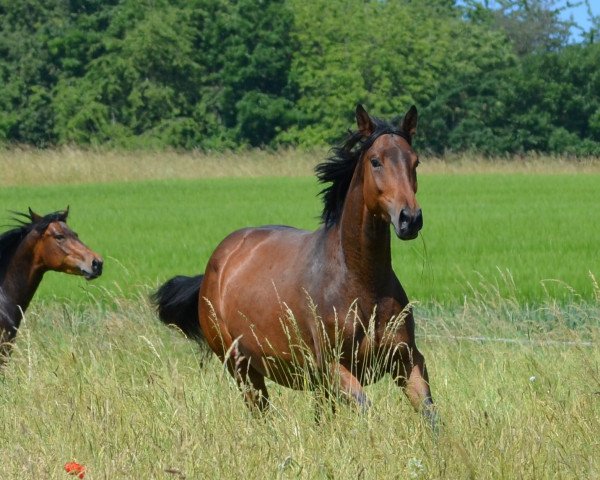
(368, 326)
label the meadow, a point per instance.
(529, 233)
(507, 307)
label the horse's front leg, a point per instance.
(6, 344)
(342, 381)
(410, 373)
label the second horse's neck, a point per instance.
(18, 286)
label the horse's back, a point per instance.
(257, 247)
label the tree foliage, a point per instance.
(531, 25)
(496, 77)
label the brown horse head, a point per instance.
(58, 248)
(380, 157)
(389, 169)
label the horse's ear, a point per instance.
(34, 216)
(409, 123)
(66, 213)
(363, 121)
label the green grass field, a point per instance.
(508, 318)
(527, 235)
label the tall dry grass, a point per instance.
(74, 166)
(111, 388)
(26, 166)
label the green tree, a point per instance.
(140, 84)
(532, 26)
(204, 73)
(549, 103)
(27, 70)
(42, 42)
(385, 54)
(497, 77)
(256, 98)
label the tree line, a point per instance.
(496, 78)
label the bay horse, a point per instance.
(38, 244)
(274, 299)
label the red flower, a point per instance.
(74, 468)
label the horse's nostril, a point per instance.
(410, 220)
(97, 266)
(418, 221)
(404, 216)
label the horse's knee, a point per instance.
(403, 362)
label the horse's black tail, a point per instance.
(177, 304)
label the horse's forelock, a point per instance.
(42, 224)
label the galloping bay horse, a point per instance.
(36, 245)
(275, 298)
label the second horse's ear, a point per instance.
(34, 216)
(363, 121)
(409, 123)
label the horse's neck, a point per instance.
(19, 284)
(365, 241)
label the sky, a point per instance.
(580, 15)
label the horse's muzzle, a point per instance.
(409, 223)
(96, 270)
(97, 265)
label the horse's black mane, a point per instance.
(10, 240)
(339, 168)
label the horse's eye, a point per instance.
(376, 163)
(59, 237)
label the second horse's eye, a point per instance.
(376, 163)
(59, 237)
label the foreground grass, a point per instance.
(107, 386)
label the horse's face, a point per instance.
(389, 170)
(58, 248)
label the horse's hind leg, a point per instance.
(250, 382)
